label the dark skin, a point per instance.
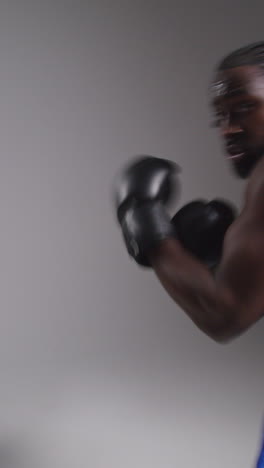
(225, 305)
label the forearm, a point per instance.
(192, 286)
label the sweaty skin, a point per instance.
(227, 304)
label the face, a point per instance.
(237, 97)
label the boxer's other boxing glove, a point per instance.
(201, 227)
(142, 191)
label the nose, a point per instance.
(231, 130)
(230, 127)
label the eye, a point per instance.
(243, 108)
(218, 119)
(239, 110)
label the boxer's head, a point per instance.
(237, 96)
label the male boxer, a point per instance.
(224, 304)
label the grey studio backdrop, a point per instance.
(98, 367)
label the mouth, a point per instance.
(234, 151)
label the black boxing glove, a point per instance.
(142, 191)
(201, 227)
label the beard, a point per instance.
(244, 166)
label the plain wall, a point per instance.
(98, 367)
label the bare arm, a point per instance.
(225, 305)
